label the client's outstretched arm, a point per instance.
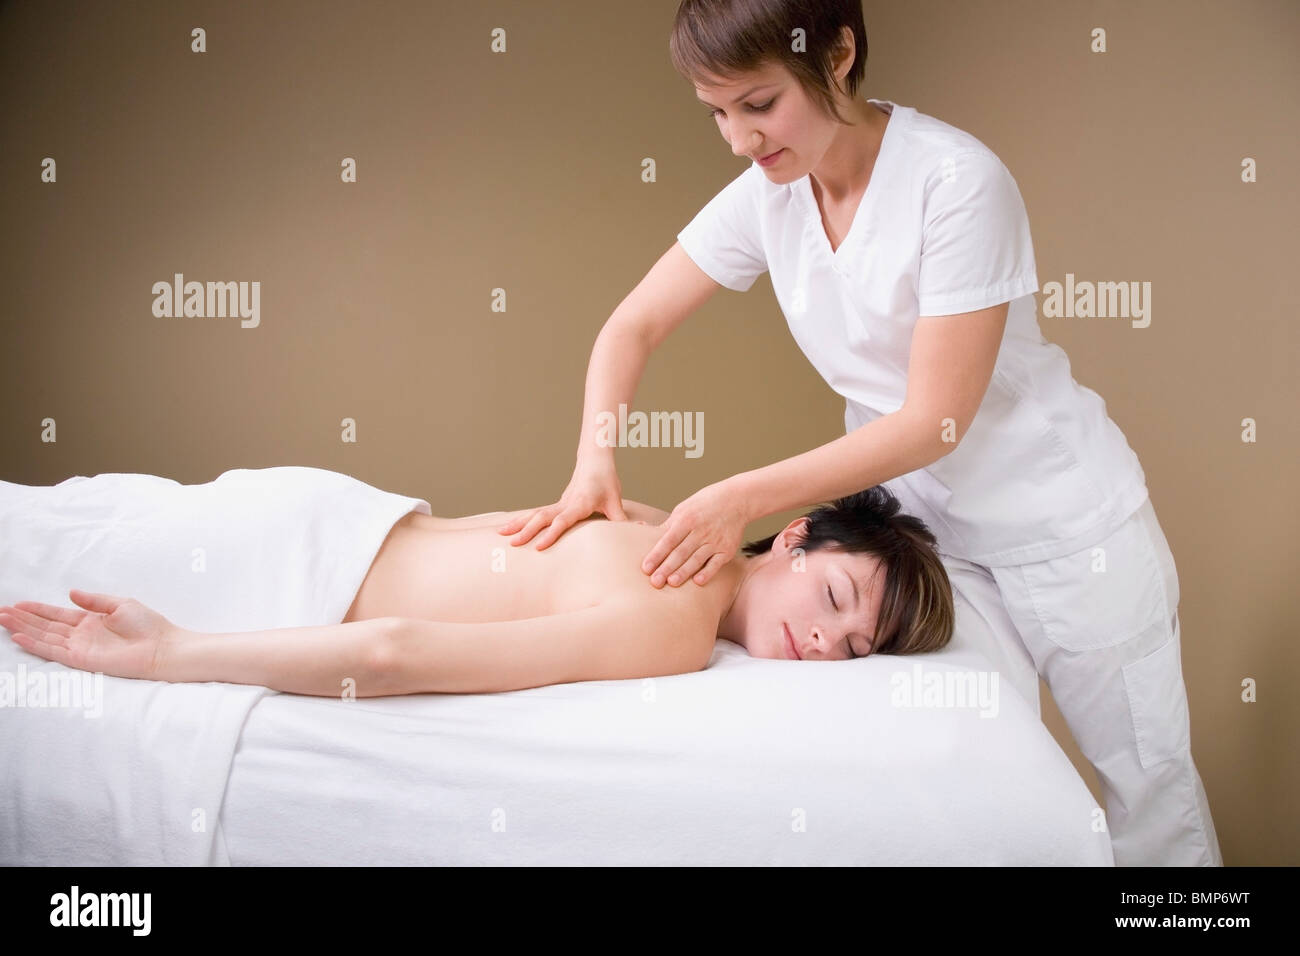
(658, 634)
(123, 638)
(655, 635)
(323, 661)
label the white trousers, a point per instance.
(1101, 627)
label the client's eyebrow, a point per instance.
(743, 96)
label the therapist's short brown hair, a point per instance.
(916, 614)
(724, 38)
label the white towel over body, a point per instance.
(136, 774)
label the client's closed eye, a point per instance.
(848, 642)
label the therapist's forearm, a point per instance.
(298, 660)
(617, 361)
(890, 446)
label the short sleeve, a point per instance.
(976, 250)
(724, 238)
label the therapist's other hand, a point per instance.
(593, 488)
(701, 535)
(117, 636)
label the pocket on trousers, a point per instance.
(1101, 596)
(1157, 698)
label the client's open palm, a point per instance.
(119, 636)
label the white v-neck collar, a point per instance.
(803, 187)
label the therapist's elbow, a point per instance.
(938, 434)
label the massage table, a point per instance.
(747, 762)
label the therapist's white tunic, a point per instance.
(1043, 471)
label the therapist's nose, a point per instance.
(743, 139)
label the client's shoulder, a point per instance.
(687, 607)
(680, 623)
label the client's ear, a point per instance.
(793, 534)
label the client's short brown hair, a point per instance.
(916, 613)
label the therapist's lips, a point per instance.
(770, 158)
(789, 639)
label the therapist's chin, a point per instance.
(779, 176)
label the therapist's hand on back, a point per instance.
(593, 488)
(701, 535)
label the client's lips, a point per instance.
(789, 638)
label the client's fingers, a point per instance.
(37, 638)
(31, 623)
(38, 644)
(66, 615)
(103, 603)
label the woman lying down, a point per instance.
(446, 608)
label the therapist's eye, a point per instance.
(757, 109)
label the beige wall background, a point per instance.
(522, 171)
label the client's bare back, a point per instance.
(462, 570)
